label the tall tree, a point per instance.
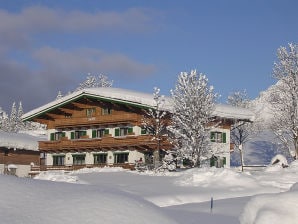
(284, 100)
(155, 122)
(193, 104)
(241, 130)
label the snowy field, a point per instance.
(114, 195)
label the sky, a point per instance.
(50, 46)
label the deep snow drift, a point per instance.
(114, 195)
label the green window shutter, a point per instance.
(63, 134)
(72, 135)
(106, 131)
(224, 160)
(212, 137)
(130, 130)
(84, 133)
(212, 161)
(52, 136)
(117, 132)
(93, 133)
(143, 131)
(224, 137)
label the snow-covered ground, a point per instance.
(114, 195)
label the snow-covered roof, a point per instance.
(19, 141)
(131, 97)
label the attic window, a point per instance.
(106, 111)
(90, 112)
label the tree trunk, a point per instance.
(240, 147)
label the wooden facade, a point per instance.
(73, 128)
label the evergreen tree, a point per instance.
(193, 104)
(13, 119)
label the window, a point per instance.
(218, 161)
(57, 136)
(99, 133)
(90, 112)
(79, 159)
(123, 131)
(106, 111)
(77, 134)
(58, 160)
(219, 137)
(100, 158)
(120, 157)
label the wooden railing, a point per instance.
(125, 142)
(36, 169)
(102, 120)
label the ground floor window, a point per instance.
(120, 157)
(79, 159)
(100, 158)
(58, 160)
(218, 161)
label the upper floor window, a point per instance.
(123, 131)
(90, 112)
(77, 134)
(106, 111)
(219, 137)
(98, 133)
(57, 135)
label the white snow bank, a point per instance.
(31, 201)
(59, 176)
(272, 208)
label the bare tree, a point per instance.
(193, 104)
(241, 130)
(284, 100)
(155, 122)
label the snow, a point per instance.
(133, 97)
(19, 141)
(115, 195)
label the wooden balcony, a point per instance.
(100, 120)
(142, 142)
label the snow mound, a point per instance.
(99, 170)
(214, 177)
(59, 176)
(35, 201)
(272, 208)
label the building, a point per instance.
(18, 153)
(103, 126)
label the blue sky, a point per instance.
(47, 46)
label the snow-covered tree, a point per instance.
(20, 124)
(284, 100)
(193, 104)
(59, 95)
(241, 131)
(95, 81)
(155, 122)
(13, 118)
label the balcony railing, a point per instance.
(102, 120)
(141, 142)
